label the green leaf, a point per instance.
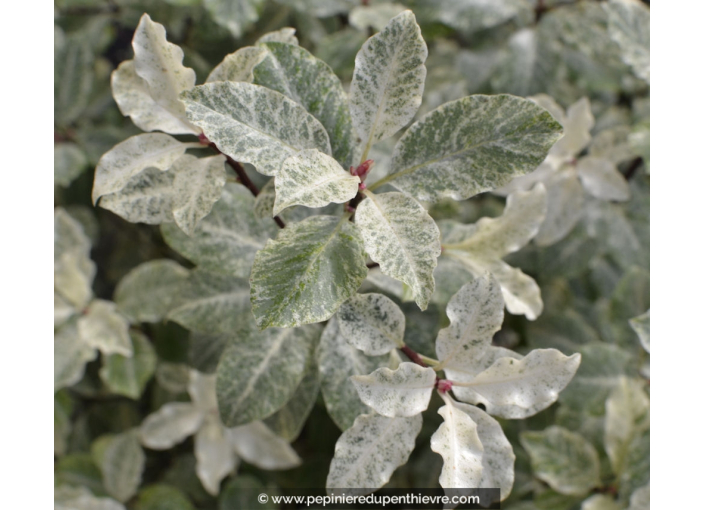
(238, 66)
(470, 16)
(474, 144)
(129, 375)
(313, 179)
(79, 470)
(338, 360)
(243, 491)
(372, 323)
(204, 351)
(260, 371)
(63, 406)
(401, 236)
(389, 76)
(640, 498)
(627, 416)
(227, 239)
(311, 83)
(69, 162)
(145, 294)
(641, 325)
(376, 17)
(235, 15)
(162, 497)
(73, 79)
(405, 391)
(211, 303)
(636, 470)
(629, 26)
(73, 268)
(80, 498)
(71, 354)
(121, 460)
(102, 327)
(563, 459)
(367, 454)
(253, 124)
(305, 274)
(321, 8)
(283, 35)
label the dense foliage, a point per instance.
(343, 244)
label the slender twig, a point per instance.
(413, 356)
(633, 168)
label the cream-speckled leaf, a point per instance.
(521, 292)
(68, 497)
(159, 63)
(215, 457)
(127, 159)
(600, 502)
(307, 272)
(70, 356)
(283, 35)
(367, 454)
(121, 460)
(259, 446)
(565, 200)
(517, 389)
(70, 238)
(170, 425)
(498, 457)
(372, 323)
(627, 415)
(129, 375)
(311, 83)
(104, 328)
(476, 313)
(288, 421)
(563, 459)
(313, 179)
(198, 185)
(260, 371)
(145, 294)
(235, 15)
(69, 163)
(211, 303)
(375, 16)
(148, 197)
(601, 178)
(401, 236)
(405, 391)
(629, 26)
(264, 201)
(238, 66)
(457, 440)
(388, 81)
(73, 278)
(641, 325)
(338, 360)
(578, 122)
(474, 144)
(253, 124)
(640, 499)
(227, 239)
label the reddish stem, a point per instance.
(413, 356)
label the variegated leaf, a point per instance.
(640, 499)
(372, 323)
(474, 144)
(389, 76)
(518, 388)
(600, 502)
(563, 459)
(283, 35)
(376, 17)
(627, 416)
(227, 239)
(238, 66)
(259, 446)
(401, 236)
(641, 325)
(313, 179)
(170, 425)
(215, 457)
(629, 26)
(253, 124)
(311, 83)
(67, 497)
(470, 16)
(565, 197)
(73, 279)
(338, 360)
(321, 8)
(73, 79)
(259, 372)
(367, 454)
(145, 293)
(71, 354)
(69, 163)
(307, 272)
(198, 185)
(104, 328)
(129, 375)
(235, 15)
(148, 197)
(121, 460)
(578, 122)
(601, 178)
(405, 391)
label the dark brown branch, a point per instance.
(633, 168)
(372, 264)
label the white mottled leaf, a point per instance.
(521, 292)
(389, 76)
(129, 375)
(70, 356)
(367, 454)
(73, 279)
(69, 163)
(600, 502)
(641, 325)
(516, 389)
(338, 360)
(565, 197)
(578, 122)
(259, 372)
(375, 16)
(215, 457)
(68, 497)
(121, 460)
(102, 327)
(235, 15)
(629, 26)
(470, 16)
(148, 197)
(563, 459)
(198, 185)
(170, 425)
(259, 446)
(640, 499)
(627, 415)
(159, 64)
(457, 440)
(63, 310)
(474, 144)
(372, 323)
(313, 179)
(405, 391)
(145, 293)
(601, 178)
(283, 35)
(227, 239)
(201, 388)
(238, 66)
(127, 159)
(74, 77)
(307, 272)
(253, 124)
(401, 236)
